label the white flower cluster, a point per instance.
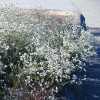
(45, 50)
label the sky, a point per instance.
(53, 4)
(50, 4)
(90, 8)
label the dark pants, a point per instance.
(82, 22)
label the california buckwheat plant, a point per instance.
(39, 53)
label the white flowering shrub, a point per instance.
(39, 53)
